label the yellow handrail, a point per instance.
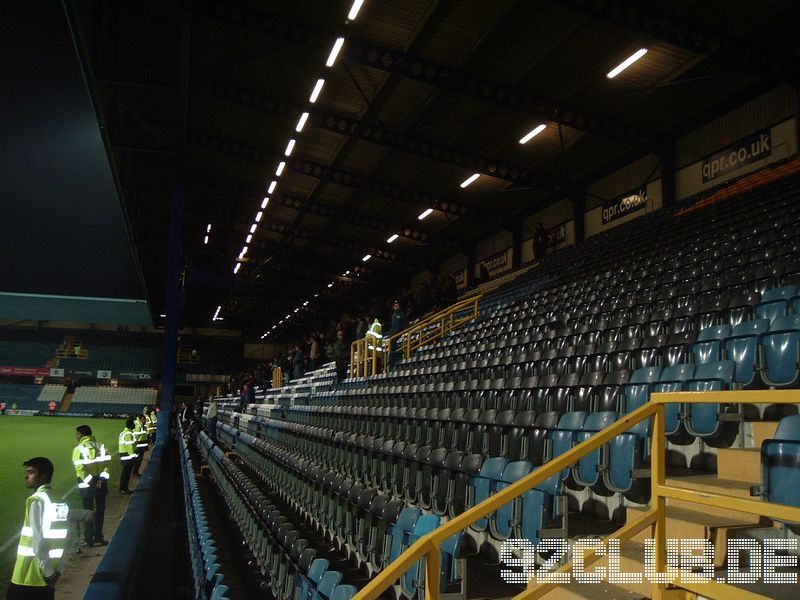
(429, 546)
(365, 353)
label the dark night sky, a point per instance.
(61, 224)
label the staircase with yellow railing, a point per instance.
(705, 508)
(370, 355)
(72, 348)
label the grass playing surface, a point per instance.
(22, 438)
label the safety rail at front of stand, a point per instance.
(370, 355)
(428, 548)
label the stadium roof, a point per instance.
(422, 95)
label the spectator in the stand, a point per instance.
(361, 326)
(341, 354)
(314, 352)
(243, 396)
(323, 350)
(399, 320)
(539, 241)
(299, 359)
(211, 417)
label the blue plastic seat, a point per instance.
(507, 518)
(588, 472)
(708, 346)
(327, 585)
(308, 582)
(563, 437)
(775, 302)
(484, 485)
(627, 455)
(782, 352)
(780, 464)
(637, 390)
(742, 348)
(344, 592)
(412, 582)
(673, 379)
(703, 419)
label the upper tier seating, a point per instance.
(26, 397)
(26, 353)
(106, 399)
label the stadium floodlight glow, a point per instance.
(249, 238)
(532, 133)
(208, 228)
(301, 122)
(205, 241)
(259, 214)
(469, 180)
(253, 228)
(281, 167)
(316, 91)
(392, 238)
(424, 214)
(626, 63)
(337, 45)
(272, 185)
(264, 202)
(289, 148)
(354, 9)
(366, 257)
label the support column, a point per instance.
(578, 197)
(666, 156)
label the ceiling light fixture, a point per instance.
(316, 91)
(354, 10)
(392, 238)
(366, 257)
(279, 170)
(244, 250)
(346, 273)
(259, 214)
(626, 63)
(301, 122)
(425, 213)
(272, 185)
(236, 268)
(330, 285)
(208, 228)
(205, 241)
(469, 180)
(337, 45)
(163, 316)
(289, 148)
(532, 133)
(249, 238)
(264, 202)
(253, 228)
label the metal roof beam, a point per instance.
(412, 67)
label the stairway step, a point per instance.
(589, 591)
(715, 485)
(685, 523)
(763, 430)
(739, 464)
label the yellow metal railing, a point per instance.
(369, 355)
(429, 546)
(277, 377)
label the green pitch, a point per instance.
(22, 438)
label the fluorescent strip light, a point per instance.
(264, 202)
(253, 228)
(163, 316)
(354, 10)
(316, 91)
(337, 45)
(208, 228)
(533, 133)
(249, 238)
(301, 122)
(425, 213)
(244, 251)
(272, 185)
(346, 273)
(366, 257)
(236, 268)
(305, 303)
(281, 167)
(259, 214)
(470, 179)
(392, 238)
(330, 285)
(205, 241)
(289, 148)
(626, 63)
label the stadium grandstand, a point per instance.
(402, 300)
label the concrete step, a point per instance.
(588, 591)
(739, 464)
(702, 523)
(715, 485)
(763, 430)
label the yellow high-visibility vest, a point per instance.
(27, 570)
